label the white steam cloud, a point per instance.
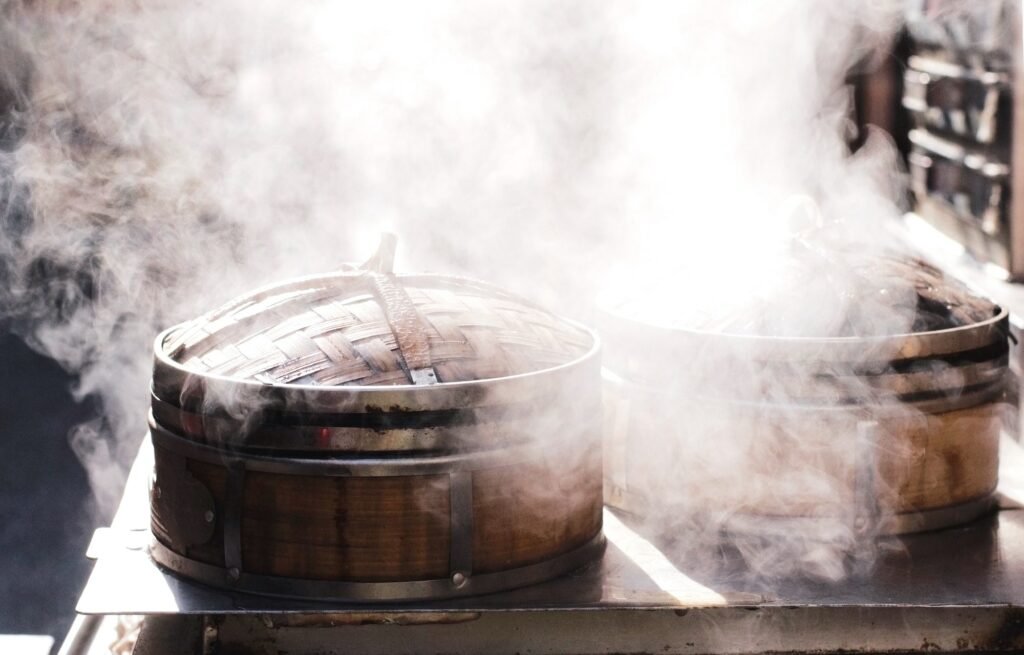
(167, 156)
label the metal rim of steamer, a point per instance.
(173, 379)
(396, 428)
(445, 416)
(339, 466)
(912, 345)
(459, 584)
(484, 427)
(750, 525)
(350, 418)
(893, 525)
(879, 405)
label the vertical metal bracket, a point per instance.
(184, 505)
(866, 513)
(233, 499)
(461, 517)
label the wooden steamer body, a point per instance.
(370, 437)
(896, 434)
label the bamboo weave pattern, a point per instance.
(334, 336)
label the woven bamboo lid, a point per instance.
(853, 308)
(366, 326)
(811, 295)
(837, 331)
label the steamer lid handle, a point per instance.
(383, 261)
(401, 313)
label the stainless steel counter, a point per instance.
(951, 590)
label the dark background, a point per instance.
(46, 508)
(46, 511)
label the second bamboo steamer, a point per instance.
(875, 434)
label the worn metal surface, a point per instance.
(176, 635)
(691, 632)
(732, 630)
(953, 590)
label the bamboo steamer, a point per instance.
(884, 434)
(366, 436)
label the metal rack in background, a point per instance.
(967, 137)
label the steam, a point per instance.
(172, 155)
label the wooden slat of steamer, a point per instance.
(366, 529)
(924, 461)
(800, 468)
(376, 529)
(533, 510)
(947, 458)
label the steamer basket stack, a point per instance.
(365, 436)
